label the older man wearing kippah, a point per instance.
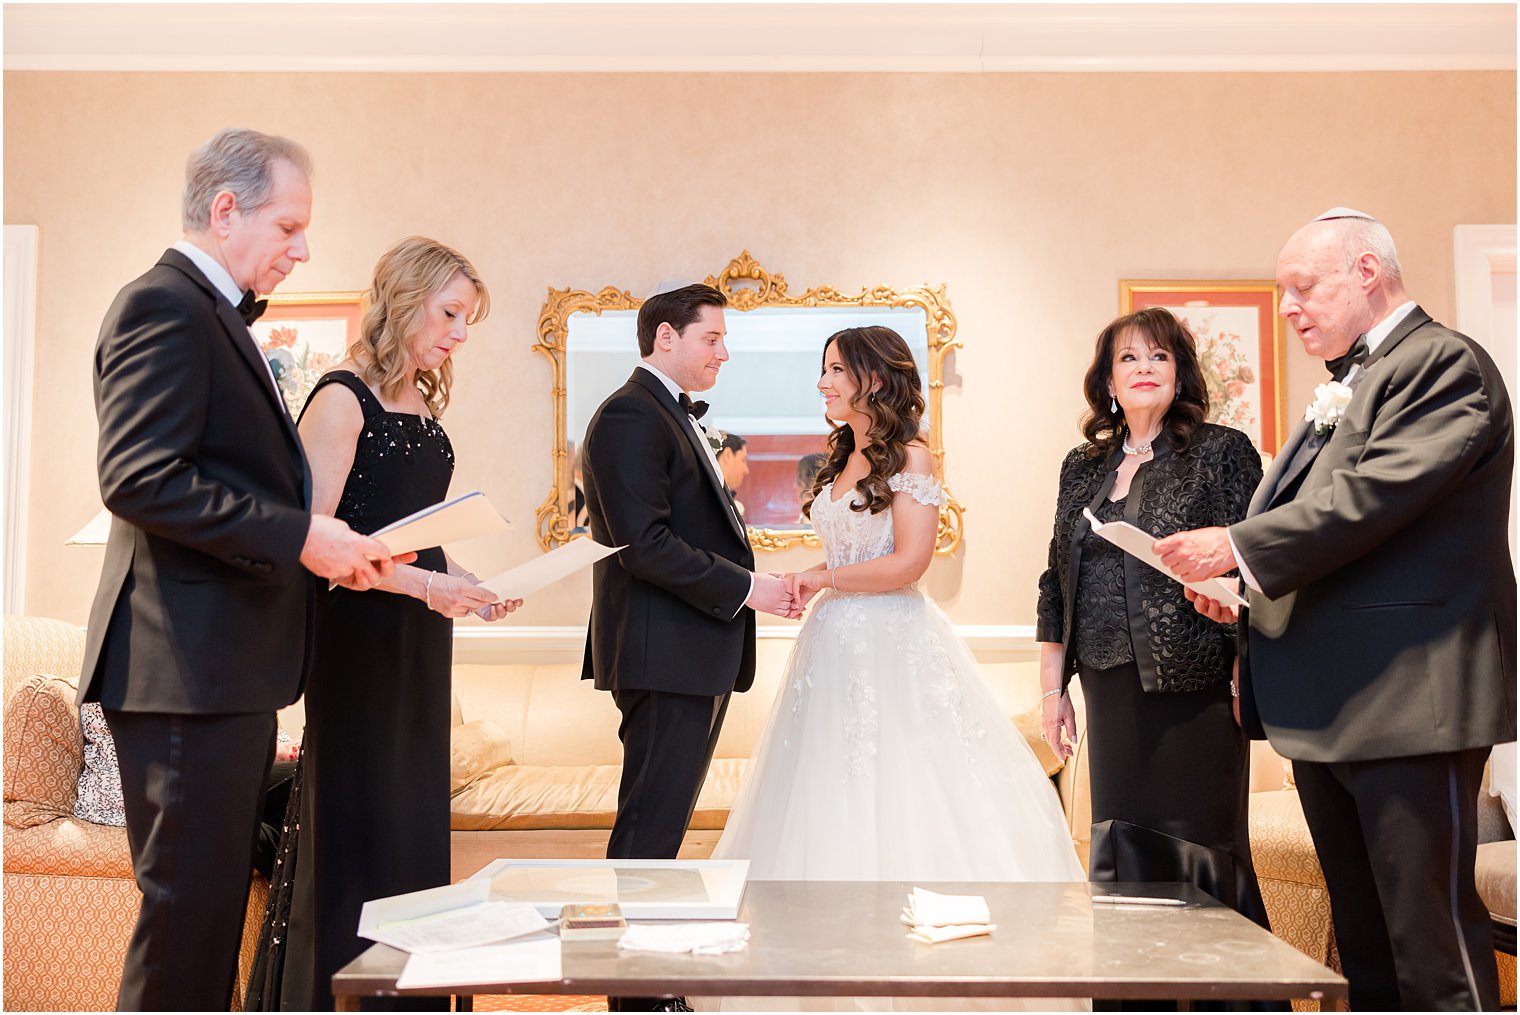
(1379, 647)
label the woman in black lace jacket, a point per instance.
(1167, 756)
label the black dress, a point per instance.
(1169, 767)
(374, 785)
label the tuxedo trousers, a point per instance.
(1397, 839)
(668, 742)
(193, 787)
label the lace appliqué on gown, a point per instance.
(886, 756)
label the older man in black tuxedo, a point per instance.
(1379, 647)
(200, 626)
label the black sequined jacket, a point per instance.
(1208, 483)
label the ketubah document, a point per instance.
(1137, 543)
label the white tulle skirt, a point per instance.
(886, 757)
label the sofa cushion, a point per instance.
(40, 645)
(521, 797)
(69, 847)
(44, 751)
(1496, 879)
(1280, 844)
(474, 749)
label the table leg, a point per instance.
(346, 1002)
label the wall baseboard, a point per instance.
(990, 643)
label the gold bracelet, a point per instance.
(427, 590)
(834, 578)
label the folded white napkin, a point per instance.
(696, 938)
(933, 917)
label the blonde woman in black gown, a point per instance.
(374, 786)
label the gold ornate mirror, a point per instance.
(764, 394)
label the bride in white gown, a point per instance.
(886, 757)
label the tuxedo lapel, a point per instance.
(714, 481)
(241, 338)
(1272, 481)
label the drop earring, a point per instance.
(1113, 405)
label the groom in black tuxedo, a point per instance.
(1379, 648)
(200, 625)
(672, 629)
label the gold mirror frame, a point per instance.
(748, 286)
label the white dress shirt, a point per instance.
(1375, 337)
(223, 283)
(676, 392)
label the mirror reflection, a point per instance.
(765, 402)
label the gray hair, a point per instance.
(1360, 233)
(239, 160)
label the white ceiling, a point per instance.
(759, 37)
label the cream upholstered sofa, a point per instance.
(70, 901)
(537, 757)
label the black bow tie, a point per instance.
(696, 410)
(250, 308)
(1355, 356)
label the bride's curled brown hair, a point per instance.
(874, 356)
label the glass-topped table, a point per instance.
(844, 938)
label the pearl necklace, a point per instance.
(1143, 449)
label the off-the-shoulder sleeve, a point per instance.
(922, 488)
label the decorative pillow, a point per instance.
(100, 781)
(476, 748)
(1028, 724)
(43, 751)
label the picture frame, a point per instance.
(304, 335)
(1241, 347)
(642, 889)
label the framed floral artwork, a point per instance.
(1240, 347)
(305, 335)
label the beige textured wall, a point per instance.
(1030, 195)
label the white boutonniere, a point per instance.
(715, 437)
(1329, 405)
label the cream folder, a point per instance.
(1137, 543)
(449, 521)
(545, 570)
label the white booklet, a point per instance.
(532, 961)
(1137, 543)
(446, 918)
(449, 521)
(548, 568)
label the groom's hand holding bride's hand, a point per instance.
(806, 584)
(772, 594)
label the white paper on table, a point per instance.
(1137, 543)
(519, 962)
(450, 521)
(450, 917)
(481, 924)
(548, 568)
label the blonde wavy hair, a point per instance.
(406, 276)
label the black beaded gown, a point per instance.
(373, 794)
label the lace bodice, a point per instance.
(850, 537)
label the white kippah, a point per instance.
(669, 284)
(1339, 212)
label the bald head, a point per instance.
(1339, 276)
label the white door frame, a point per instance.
(1481, 253)
(21, 245)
